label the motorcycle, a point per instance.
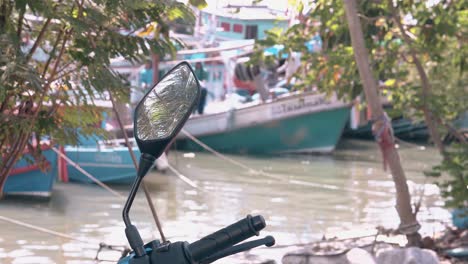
(159, 117)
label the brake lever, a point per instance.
(267, 241)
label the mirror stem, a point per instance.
(133, 236)
(146, 163)
(129, 202)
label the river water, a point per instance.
(301, 197)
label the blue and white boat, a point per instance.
(108, 164)
(107, 161)
(27, 179)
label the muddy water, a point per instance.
(301, 197)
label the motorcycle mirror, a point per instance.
(162, 112)
(159, 117)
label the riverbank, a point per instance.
(444, 247)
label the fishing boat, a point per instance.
(27, 179)
(403, 128)
(107, 161)
(292, 123)
(109, 164)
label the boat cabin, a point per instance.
(241, 21)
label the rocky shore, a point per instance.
(380, 249)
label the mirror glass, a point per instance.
(167, 104)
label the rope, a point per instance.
(123, 249)
(55, 233)
(45, 230)
(103, 185)
(215, 152)
(385, 124)
(276, 176)
(184, 178)
(383, 133)
(153, 212)
(98, 182)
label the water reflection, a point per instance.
(308, 196)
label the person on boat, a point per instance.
(201, 76)
(291, 66)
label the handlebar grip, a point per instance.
(226, 237)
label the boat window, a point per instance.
(238, 28)
(226, 26)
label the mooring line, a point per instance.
(45, 230)
(184, 178)
(58, 234)
(94, 179)
(216, 153)
(277, 176)
(98, 182)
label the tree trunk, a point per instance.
(425, 84)
(408, 223)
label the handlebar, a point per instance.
(222, 243)
(226, 237)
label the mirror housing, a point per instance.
(165, 108)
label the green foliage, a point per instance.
(437, 36)
(53, 90)
(455, 186)
(198, 3)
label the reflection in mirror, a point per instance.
(166, 105)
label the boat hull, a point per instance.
(27, 179)
(402, 129)
(113, 165)
(301, 124)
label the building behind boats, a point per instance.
(235, 22)
(220, 35)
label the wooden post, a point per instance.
(408, 223)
